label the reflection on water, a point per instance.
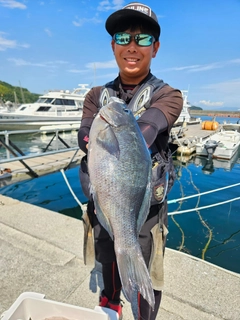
(34, 143)
(209, 165)
(212, 234)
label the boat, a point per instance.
(3, 109)
(58, 108)
(220, 145)
(231, 126)
(185, 118)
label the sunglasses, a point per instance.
(141, 39)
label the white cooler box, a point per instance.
(33, 306)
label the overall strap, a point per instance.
(141, 99)
(107, 91)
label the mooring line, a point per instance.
(82, 206)
(203, 193)
(205, 207)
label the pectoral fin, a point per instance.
(142, 216)
(108, 141)
(103, 219)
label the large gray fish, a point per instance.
(120, 174)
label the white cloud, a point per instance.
(77, 71)
(182, 68)
(7, 44)
(102, 65)
(106, 76)
(48, 32)
(12, 4)
(21, 62)
(211, 103)
(108, 5)
(78, 22)
(205, 67)
(10, 44)
(24, 45)
(215, 65)
(47, 64)
(231, 87)
(226, 93)
(103, 6)
(95, 66)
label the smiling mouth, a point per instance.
(131, 60)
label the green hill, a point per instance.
(195, 108)
(16, 94)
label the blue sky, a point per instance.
(56, 44)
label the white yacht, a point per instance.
(54, 109)
(185, 116)
(3, 108)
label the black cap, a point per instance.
(133, 10)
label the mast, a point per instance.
(15, 98)
(22, 95)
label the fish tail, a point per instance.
(135, 278)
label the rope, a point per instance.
(203, 193)
(82, 206)
(205, 207)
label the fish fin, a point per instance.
(134, 277)
(144, 210)
(108, 141)
(103, 219)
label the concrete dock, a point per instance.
(40, 165)
(189, 135)
(41, 251)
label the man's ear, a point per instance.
(156, 46)
(113, 45)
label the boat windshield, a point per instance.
(66, 102)
(44, 100)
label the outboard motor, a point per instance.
(210, 147)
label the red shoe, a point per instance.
(113, 305)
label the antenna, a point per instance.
(22, 95)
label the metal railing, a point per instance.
(14, 152)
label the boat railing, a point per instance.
(54, 140)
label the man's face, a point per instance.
(133, 60)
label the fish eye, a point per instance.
(126, 110)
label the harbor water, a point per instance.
(207, 223)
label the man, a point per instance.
(135, 41)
